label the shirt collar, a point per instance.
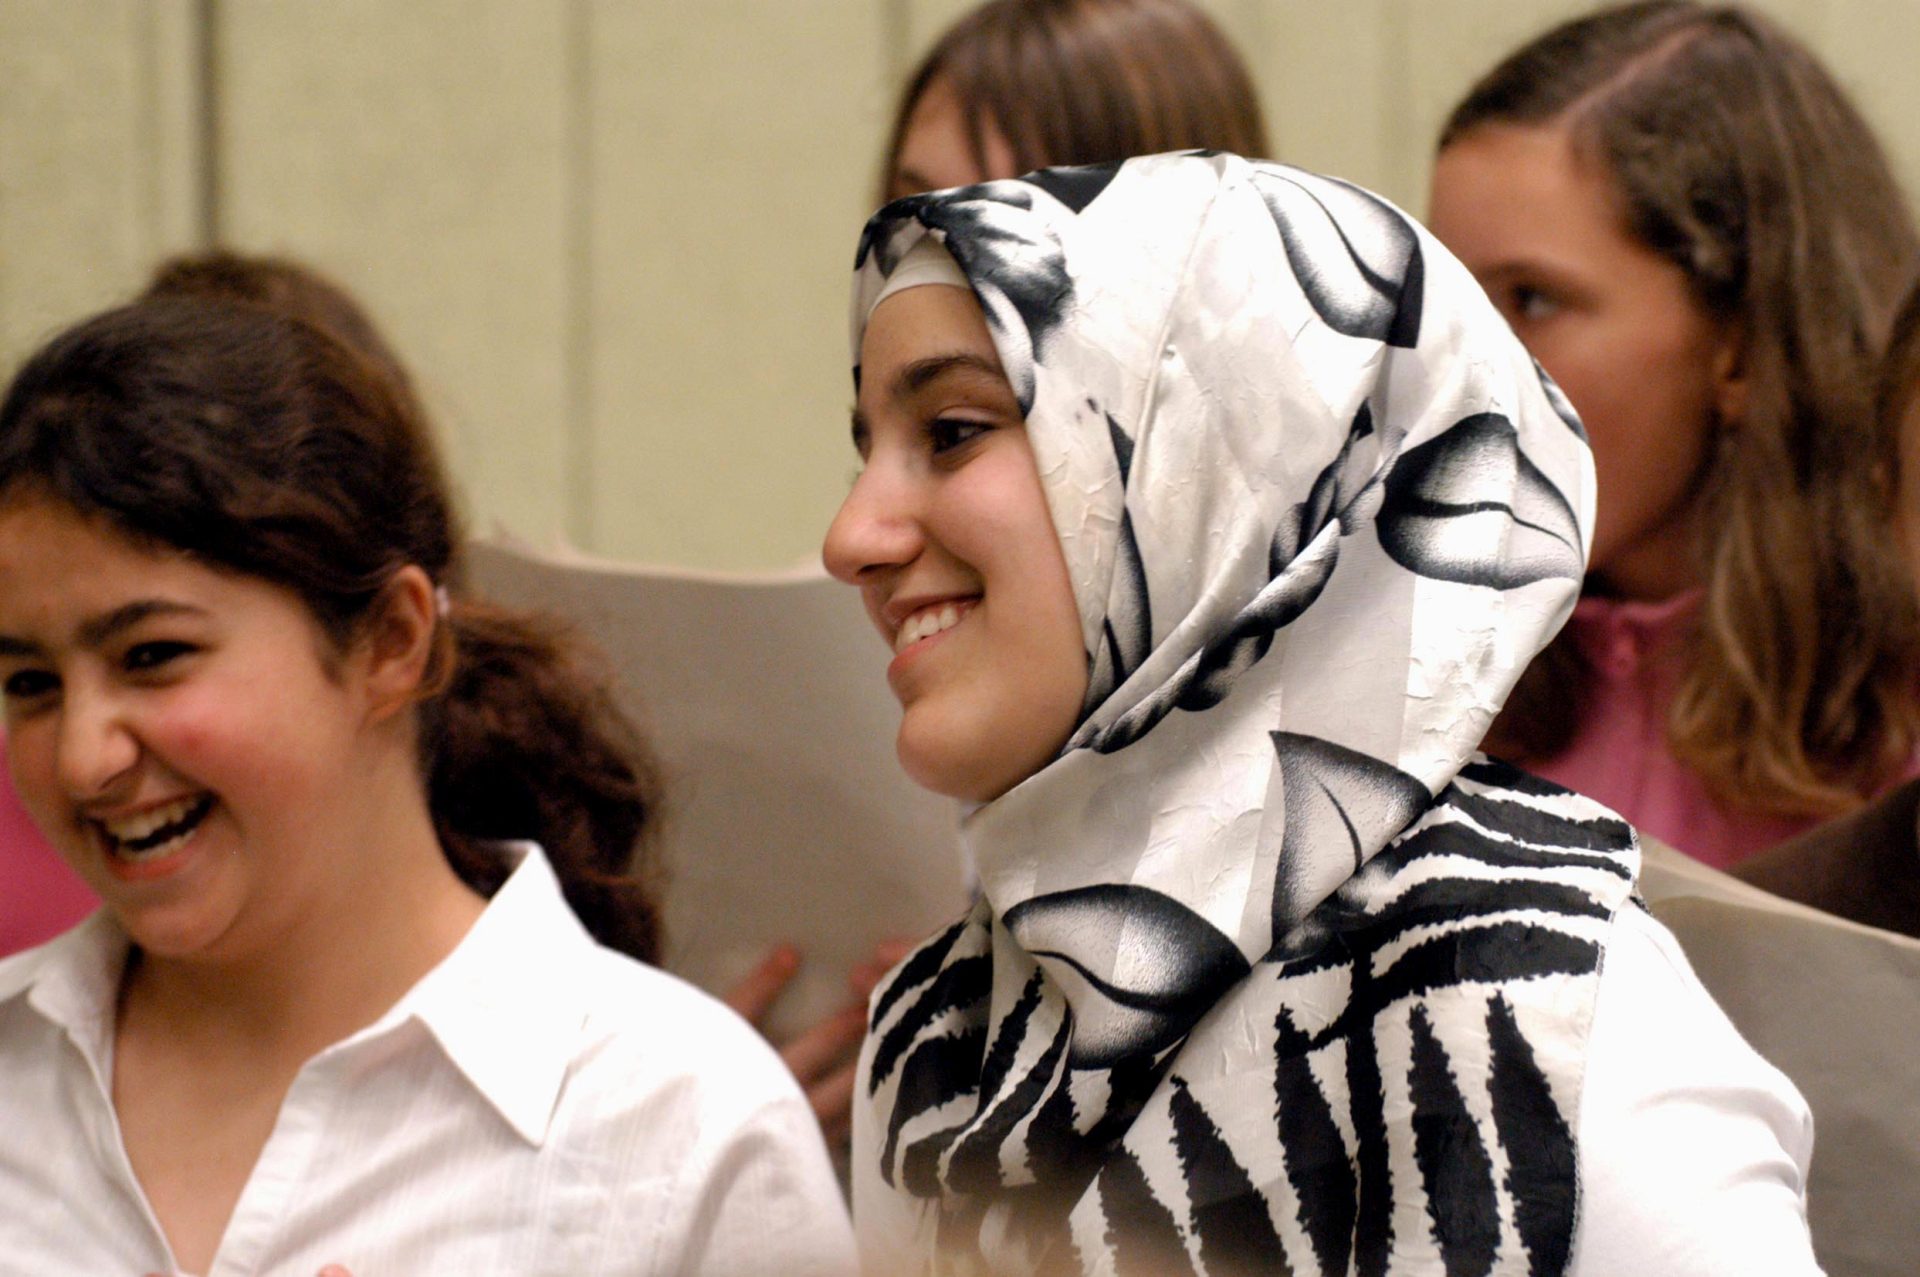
(73, 981)
(507, 1005)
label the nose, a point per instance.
(94, 744)
(878, 527)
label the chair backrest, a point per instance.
(1835, 1006)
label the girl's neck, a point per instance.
(1660, 564)
(337, 968)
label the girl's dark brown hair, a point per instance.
(1898, 392)
(1735, 155)
(1086, 81)
(282, 285)
(268, 445)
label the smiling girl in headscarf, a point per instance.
(1211, 513)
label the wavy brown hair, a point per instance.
(1086, 81)
(271, 446)
(1736, 156)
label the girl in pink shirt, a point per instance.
(1697, 235)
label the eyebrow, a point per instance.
(921, 373)
(95, 631)
(912, 378)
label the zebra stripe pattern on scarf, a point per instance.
(1420, 989)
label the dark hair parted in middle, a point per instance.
(269, 446)
(1087, 81)
(1734, 155)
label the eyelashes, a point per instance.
(947, 434)
(27, 684)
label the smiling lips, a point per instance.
(139, 843)
(933, 619)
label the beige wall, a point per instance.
(612, 235)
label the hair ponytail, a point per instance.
(524, 741)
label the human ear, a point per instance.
(397, 643)
(1730, 377)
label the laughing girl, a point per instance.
(340, 1006)
(1210, 512)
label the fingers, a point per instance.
(761, 987)
(886, 955)
(832, 1102)
(334, 1270)
(825, 1046)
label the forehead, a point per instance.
(917, 323)
(1505, 191)
(36, 529)
(57, 562)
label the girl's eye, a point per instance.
(151, 656)
(1533, 304)
(23, 685)
(948, 433)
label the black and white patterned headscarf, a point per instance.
(1272, 972)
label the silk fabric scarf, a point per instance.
(1271, 971)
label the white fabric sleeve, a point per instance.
(1694, 1149)
(769, 1202)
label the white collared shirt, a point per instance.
(536, 1104)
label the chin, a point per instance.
(970, 769)
(173, 933)
(940, 771)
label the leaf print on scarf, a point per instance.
(1148, 965)
(1209, 674)
(1332, 495)
(1076, 185)
(1127, 634)
(1470, 507)
(1357, 259)
(1557, 399)
(1013, 260)
(1336, 797)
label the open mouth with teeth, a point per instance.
(929, 621)
(153, 834)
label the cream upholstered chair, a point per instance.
(1836, 1006)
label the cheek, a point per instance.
(236, 745)
(30, 761)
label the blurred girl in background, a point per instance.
(1866, 866)
(1017, 85)
(1690, 226)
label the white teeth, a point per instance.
(925, 623)
(153, 853)
(173, 825)
(135, 828)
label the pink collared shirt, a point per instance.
(1620, 755)
(39, 896)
